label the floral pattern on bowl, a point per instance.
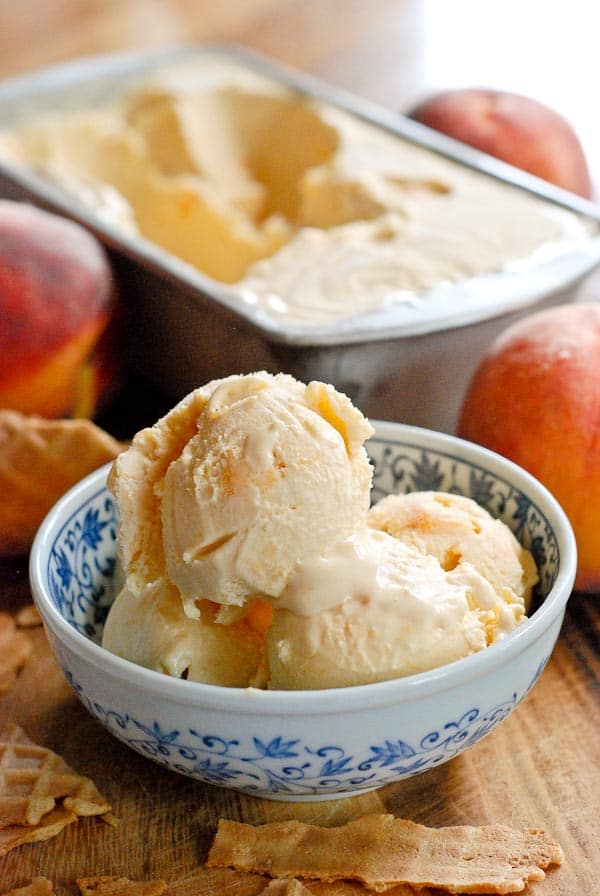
(82, 565)
(285, 766)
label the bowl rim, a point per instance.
(341, 699)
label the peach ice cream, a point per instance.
(456, 530)
(275, 470)
(251, 557)
(398, 612)
(151, 629)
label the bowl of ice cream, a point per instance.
(249, 598)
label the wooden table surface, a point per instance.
(542, 766)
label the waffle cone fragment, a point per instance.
(354, 888)
(15, 648)
(205, 881)
(39, 792)
(51, 824)
(39, 461)
(382, 851)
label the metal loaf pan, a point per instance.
(410, 365)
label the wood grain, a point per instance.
(542, 766)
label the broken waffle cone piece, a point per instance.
(15, 648)
(382, 851)
(205, 881)
(39, 886)
(354, 888)
(50, 825)
(39, 792)
(119, 886)
(39, 461)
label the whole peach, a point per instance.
(56, 299)
(515, 128)
(535, 398)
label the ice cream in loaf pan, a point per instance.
(307, 212)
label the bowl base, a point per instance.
(313, 797)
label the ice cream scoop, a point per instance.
(456, 529)
(397, 612)
(275, 470)
(240, 481)
(150, 629)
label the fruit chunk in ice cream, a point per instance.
(251, 556)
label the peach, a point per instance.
(515, 128)
(56, 300)
(535, 398)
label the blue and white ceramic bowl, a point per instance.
(307, 745)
